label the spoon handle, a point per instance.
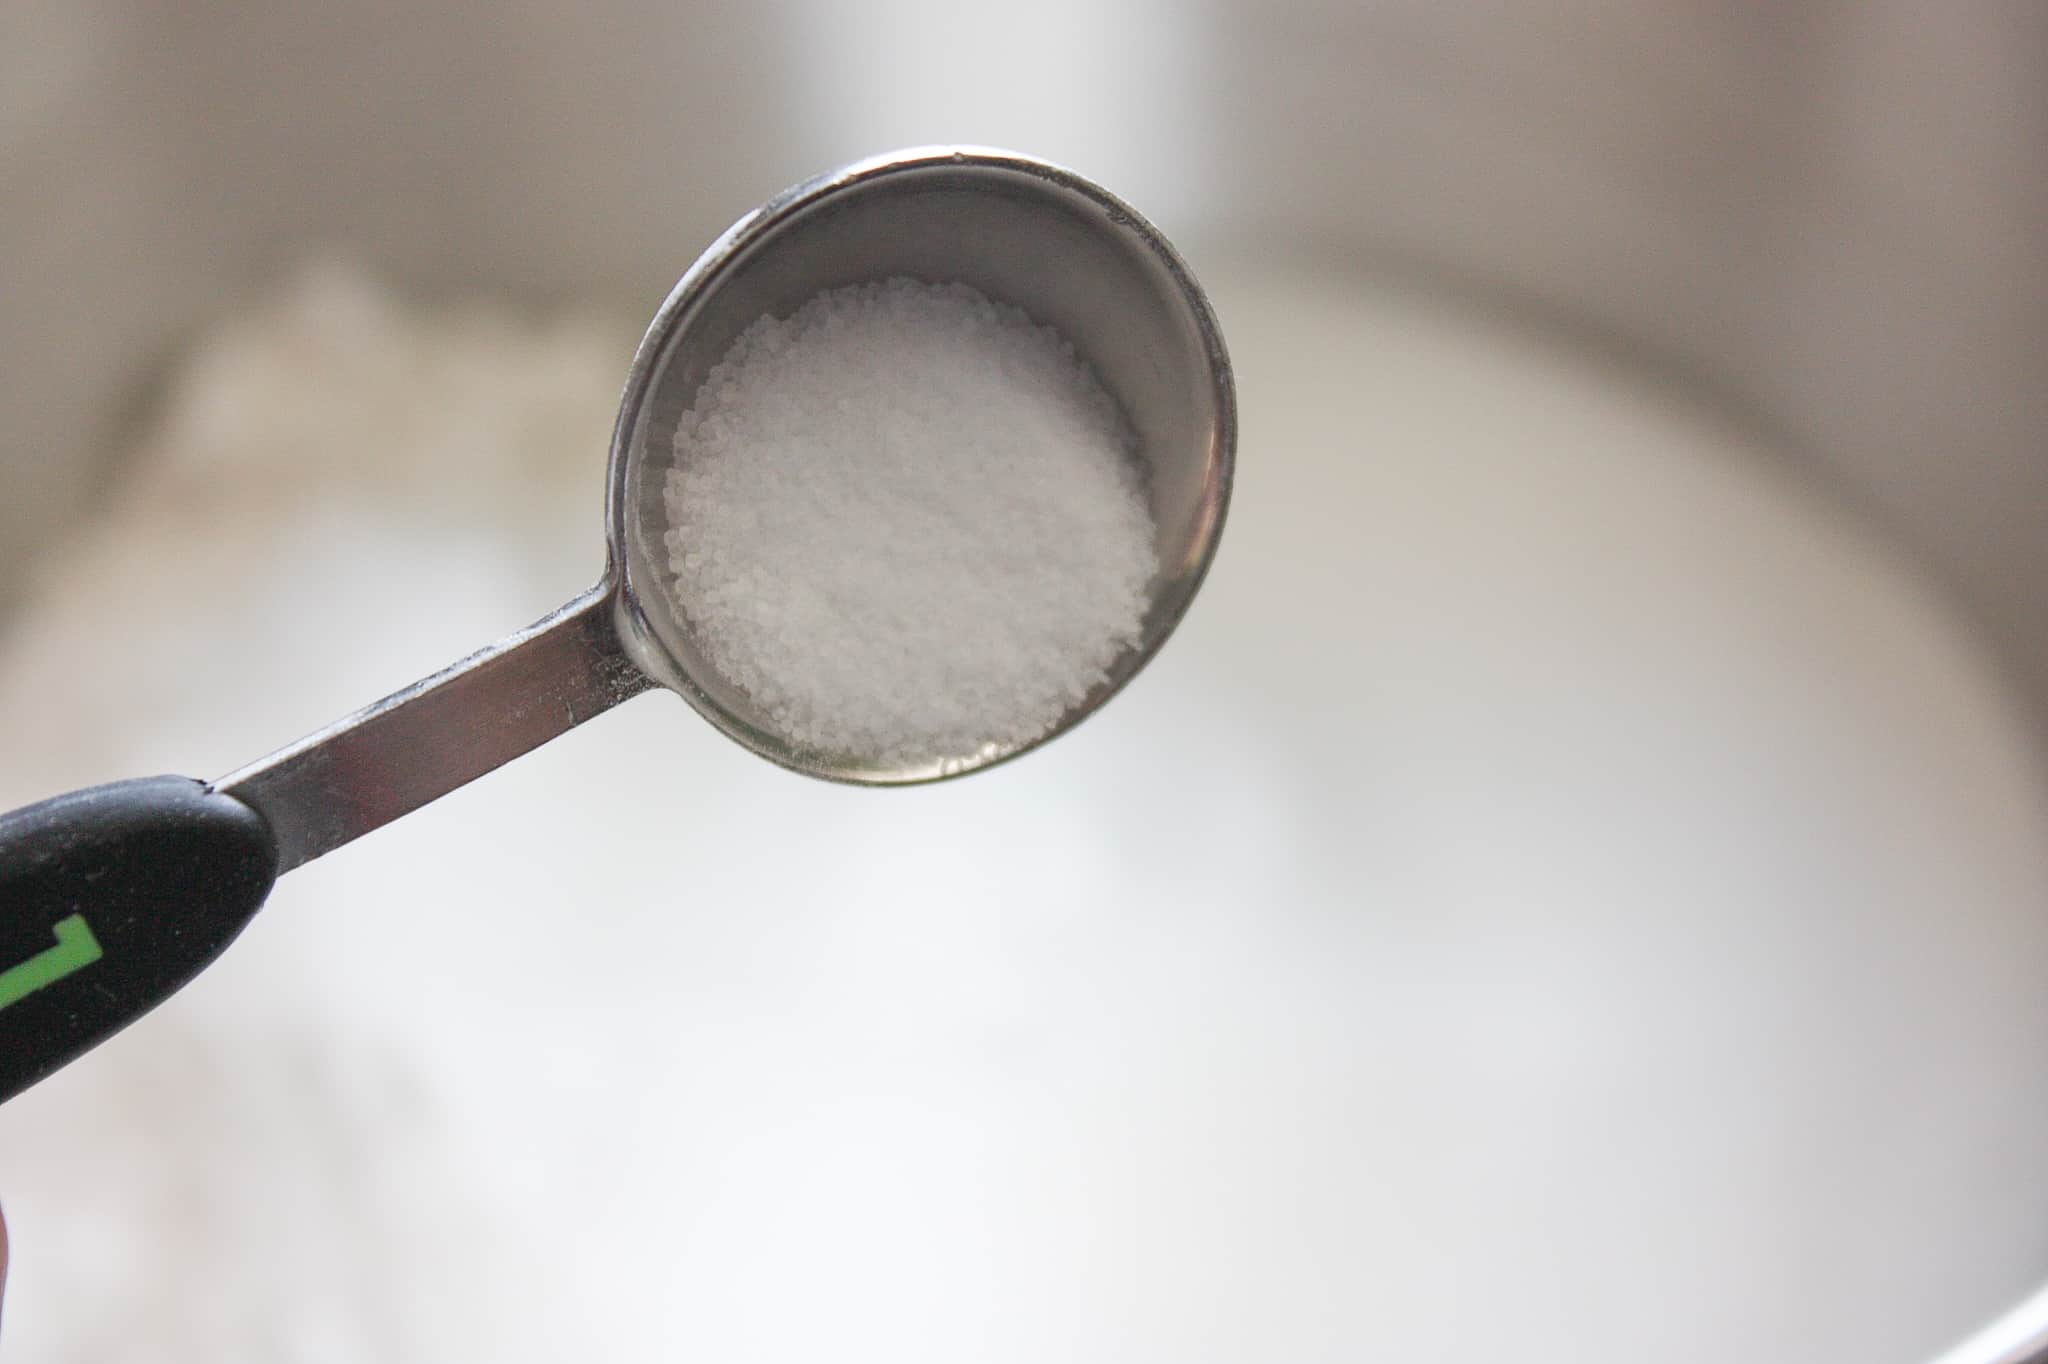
(112, 898)
(392, 757)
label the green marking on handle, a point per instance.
(76, 948)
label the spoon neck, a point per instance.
(418, 744)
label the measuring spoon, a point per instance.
(112, 898)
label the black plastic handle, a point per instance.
(111, 899)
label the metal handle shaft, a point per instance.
(390, 758)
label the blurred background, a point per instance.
(1576, 888)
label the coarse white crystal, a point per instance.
(907, 522)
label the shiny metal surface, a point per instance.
(2018, 1337)
(395, 755)
(1020, 230)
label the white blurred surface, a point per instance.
(1830, 212)
(1566, 894)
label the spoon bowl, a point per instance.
(1021, 231)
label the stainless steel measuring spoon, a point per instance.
(114, 897)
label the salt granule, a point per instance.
(907, 522)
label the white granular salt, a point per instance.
(907, 522)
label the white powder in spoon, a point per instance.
(907, 522)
